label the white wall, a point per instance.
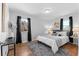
(38, 24)
(0, 17)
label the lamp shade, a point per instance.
(76, 29)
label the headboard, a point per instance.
(54, 31)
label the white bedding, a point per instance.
(60, 40)
(54, 41)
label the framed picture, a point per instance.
(57, 25)
(24, 26)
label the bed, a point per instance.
(53, 41)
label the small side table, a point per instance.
(9, 41)
(75, 40)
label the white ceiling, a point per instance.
(57, 9)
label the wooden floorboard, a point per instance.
(23, 50)
(71, 48)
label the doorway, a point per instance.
(23, 33)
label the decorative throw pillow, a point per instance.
(59, 35)
(63, 33)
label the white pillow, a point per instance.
(63, 33)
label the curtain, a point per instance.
(29, 29)
(61, 24)
(5, 17)
(0, 17)
(18, 34)
(71, 28)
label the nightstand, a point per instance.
(75, 40)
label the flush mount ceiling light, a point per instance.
(47, 10)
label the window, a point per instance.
(66, 25)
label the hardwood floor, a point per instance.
(72, 49)
(23, 50)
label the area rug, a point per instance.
(40, 49)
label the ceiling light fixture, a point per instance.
(48, 10)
